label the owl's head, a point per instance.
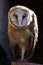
(19, 16)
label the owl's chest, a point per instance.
(18, 35)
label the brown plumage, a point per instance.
(23, 36)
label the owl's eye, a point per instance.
(24, 16)
(15, 16)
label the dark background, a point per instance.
(37, 7)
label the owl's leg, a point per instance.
(12, 45)
(12, 51)
(22, 53)
(30, 47)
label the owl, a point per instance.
(22, 30)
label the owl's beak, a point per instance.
(19, 22)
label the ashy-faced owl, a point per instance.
(22, 29)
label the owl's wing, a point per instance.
(33, 27)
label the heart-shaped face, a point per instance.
(19, 17)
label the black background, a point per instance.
(37, 7)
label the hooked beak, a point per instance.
(19, 22)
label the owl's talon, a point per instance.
(20, 60)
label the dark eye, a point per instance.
(15, 16)
(24, 16)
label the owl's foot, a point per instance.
(20, 60)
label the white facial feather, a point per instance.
(19, 17)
